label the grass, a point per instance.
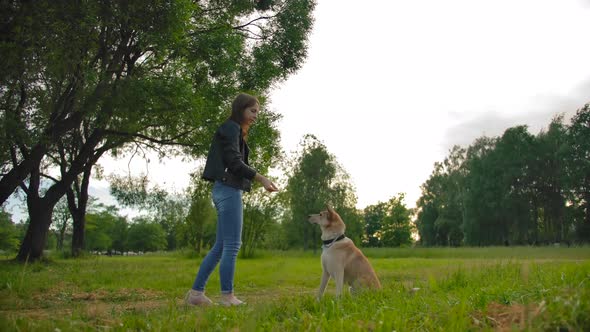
(424, 289)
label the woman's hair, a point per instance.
(239, 105)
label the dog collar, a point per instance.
(326, 242)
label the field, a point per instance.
(424, 289)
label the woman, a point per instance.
(227, 166)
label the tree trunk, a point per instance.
(62, 235)
(78, 233)
(36, 236)
(79, 212)
(41, 209)
(535, 224)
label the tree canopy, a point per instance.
(81, 79)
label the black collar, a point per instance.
(334, 240)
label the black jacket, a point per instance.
(227, 160)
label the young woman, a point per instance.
(227, 166)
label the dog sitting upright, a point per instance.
(341, 259)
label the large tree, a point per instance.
(578, 166)
(84, 78)
(441, 211)
(512, 160)
(482, 192)
(548, 184)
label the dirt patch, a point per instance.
(91, 309)
(123, 294)
(60, 296)
(506, 317)
(99, 304)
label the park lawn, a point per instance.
(424, 289)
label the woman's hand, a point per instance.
(266, 183)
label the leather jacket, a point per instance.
(227, 160)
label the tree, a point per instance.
(353, 218)
(97, 237)
(426, 216)
(441, 211)
(259, 211)
(171, 213)
(388, 224)
(9, 239)
(396, 227)
(106, 230)
(578, 168)
(200, 214)
(61, 223)
(119, 232)
(513, 157)
(548, 185)
(145, 235)
(78, 200)
(482, 194)
(373, 216)
(81, 79)
(315, 179)
(167, 210)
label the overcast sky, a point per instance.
(390, 86)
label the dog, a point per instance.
(341, 259)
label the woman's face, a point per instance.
(250, 114)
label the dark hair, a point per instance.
(239, 105)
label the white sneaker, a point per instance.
(229, 300)
(194, 297)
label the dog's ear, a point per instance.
(330, 205)
(330, 210)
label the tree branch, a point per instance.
(239, 27)
(170, 141)
(49, 177)
(24, 188)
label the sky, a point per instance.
(390, 86)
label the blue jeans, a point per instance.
(228, 203)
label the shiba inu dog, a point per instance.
(341, 259)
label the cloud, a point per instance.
(536, 115)
(100, 190)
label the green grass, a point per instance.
(459, 289)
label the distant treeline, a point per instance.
(515, 189)
(173, 221)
